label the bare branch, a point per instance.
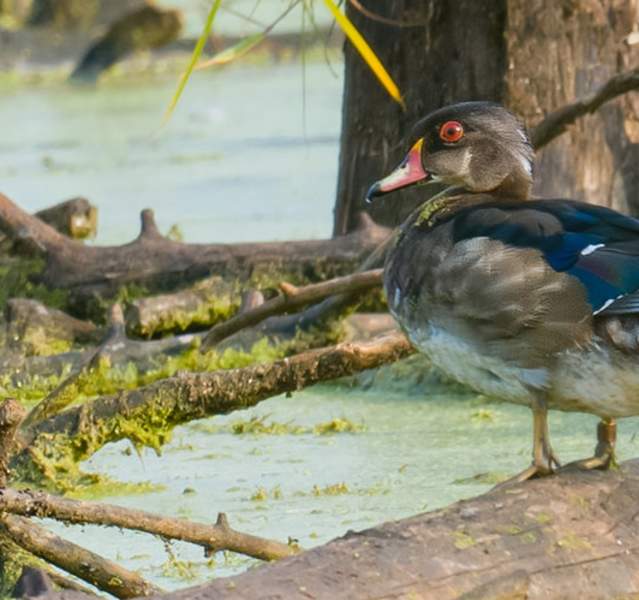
(291, 298)
(211, 537)
(558, 121)
(88, 566)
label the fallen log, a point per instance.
(204, 304)
(571, 536)
(36, 329)
(144, 28)
(158, 263)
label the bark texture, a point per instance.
(532, 56)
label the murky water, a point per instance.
(420, 448)
(248, 155)
(239, 162)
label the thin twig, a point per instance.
(211, 537)
(88, 566)
(558, 121)
(292, 298)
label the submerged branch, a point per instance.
(211, 537)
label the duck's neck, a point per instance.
(516, 186)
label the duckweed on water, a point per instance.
(336, 489)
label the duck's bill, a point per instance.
(410, 172)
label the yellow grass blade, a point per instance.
(236, 51)
(194, 58)
(366, 52)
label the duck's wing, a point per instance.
(597, 246)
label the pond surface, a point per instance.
(248, 155)
(239, 162)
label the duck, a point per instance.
(527, 300)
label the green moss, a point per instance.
(259, 426)
(18, 277)
(463, 541)
(336, 489)
(543, 518)
(572, 541)
(261, 494)
(338, 425)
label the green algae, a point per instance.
(463, 540)
(259, 426)
(338, 425)
(19, 275)
(335, 489)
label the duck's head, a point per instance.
(478, 146)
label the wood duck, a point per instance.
(532, 301)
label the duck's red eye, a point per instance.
(451, 131)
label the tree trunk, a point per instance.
(531, 55)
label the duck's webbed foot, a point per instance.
(604, 456)
(545, 461)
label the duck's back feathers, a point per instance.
(596, 245)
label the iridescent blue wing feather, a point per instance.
(598, 246)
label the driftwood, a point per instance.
(76, 218)
(32, 325)
(157, 262)
(145, 28)
(212, 538)
(572, 536)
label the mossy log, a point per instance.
(147, 415)
(158, 263)
(202, 305)
(33, 328)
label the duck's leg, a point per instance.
(604, 452)
(544, 459)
